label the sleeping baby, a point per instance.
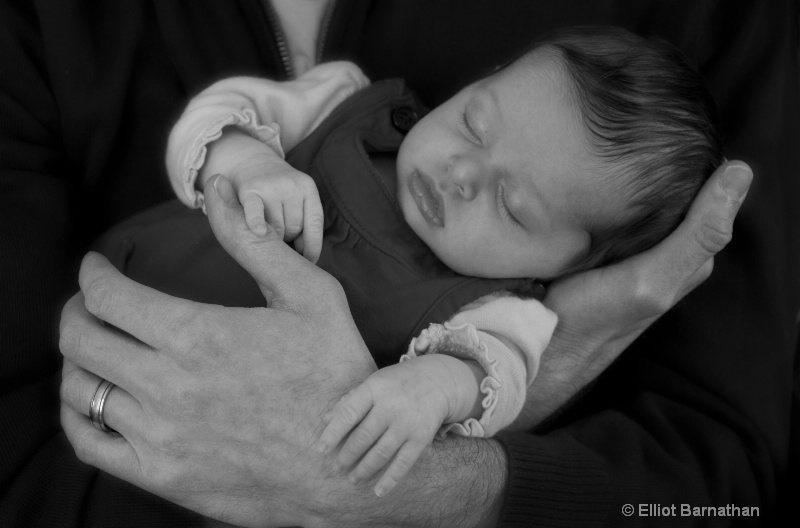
(586, 149)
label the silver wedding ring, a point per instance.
(97, 406)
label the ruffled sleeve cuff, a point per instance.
(500, 384)
(245, 120)
(506, 335)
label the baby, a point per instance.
(586, 149)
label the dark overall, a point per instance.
(395, 285)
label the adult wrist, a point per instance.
(456, 482)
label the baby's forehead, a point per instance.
(544, 64)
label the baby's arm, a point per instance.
(215, 131)
(269, 189)
(396, 412)
(506, 335)
(470, 374)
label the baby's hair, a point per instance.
(652, 118)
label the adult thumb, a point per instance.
(708, 226)
(281, 273)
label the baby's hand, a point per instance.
(272, 191)
(391, 417)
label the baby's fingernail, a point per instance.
(223, 188)
(736, 180)
(380, 491)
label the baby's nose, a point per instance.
(465, 174)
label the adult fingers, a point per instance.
(285, 278)
(312, 227)
(254, 213)
(109, 452)
(707, 229)
(121, 411)
(147, 314)
(87, 342)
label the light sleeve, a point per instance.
(279, 114)
(506, 335)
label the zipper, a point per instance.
(280, 39)
(323, 29)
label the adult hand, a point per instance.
(602, 311)
(215, 407)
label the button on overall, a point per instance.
(403, 118)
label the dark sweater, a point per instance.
(697, 412)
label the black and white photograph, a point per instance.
(399, 263)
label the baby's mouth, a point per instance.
(428, 200)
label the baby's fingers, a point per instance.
(345, 415)
(274, 215)
(312, 226)
(292, 217)
(403, 462)
(363, 437)
(378, 456)
(254, 213)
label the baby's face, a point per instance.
(497, 181)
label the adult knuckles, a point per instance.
(334, 292)
(186, 403)
(321, 295)
(75, 341)
(69, 390)
(69, 338)
(703, 273)
(85, 449)
(650, 297)
(714, 235)
(102, 294)
(163, 467)
(194, 328)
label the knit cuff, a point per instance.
(466, 342)
(553, 481)
(246, 121)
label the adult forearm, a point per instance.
(457, 482)
(566, 370)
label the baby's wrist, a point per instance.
(233, 153)
(461, 382)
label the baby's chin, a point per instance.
(490, 268)
(470, 268)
